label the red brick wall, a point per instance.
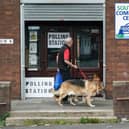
(120, 98)
(117, 51)
(10, 53)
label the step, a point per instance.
(27, 121)
(62, 113)
(49, 116)
(38, 112)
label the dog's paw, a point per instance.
(76, 100)
(91, 105)
(60, 104)
(73, 104)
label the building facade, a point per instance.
(31, 33)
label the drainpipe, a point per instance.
(22, 52)
(104, 45)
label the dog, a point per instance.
(77, 87)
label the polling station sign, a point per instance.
(122, 20)
(57, 39)
(39, 87)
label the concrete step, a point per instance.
(61, 113)
(21, 118)
(27, 121)
(41, 111)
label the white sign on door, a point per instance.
(39, 87)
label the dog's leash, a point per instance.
(82, 73)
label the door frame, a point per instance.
(22, 49)
(23, 56)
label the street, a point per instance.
(77, 126)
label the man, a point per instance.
(63, 59)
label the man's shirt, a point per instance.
(66, 54)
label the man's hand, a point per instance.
(70, 64)
(75, 66)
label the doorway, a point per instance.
(44, 39)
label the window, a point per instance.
(87, 48)
(32, 48)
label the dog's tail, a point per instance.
(55, 92)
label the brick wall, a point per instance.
(5, 96)
(117, 51)
(10, 54)
(120, 100)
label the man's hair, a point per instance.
(68, 40)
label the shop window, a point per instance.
(32, 48)
(87, 48)
(55, 41)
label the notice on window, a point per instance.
(56, 39)
(122, 20)
(33, 47)
(33, 35)
(39, 87)
(33, 59)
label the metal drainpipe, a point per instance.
(22, 52)
(104, 45)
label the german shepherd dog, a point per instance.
(77, 87)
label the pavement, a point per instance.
(77, 126)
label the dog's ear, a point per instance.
(96, 77)
(100, 86)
